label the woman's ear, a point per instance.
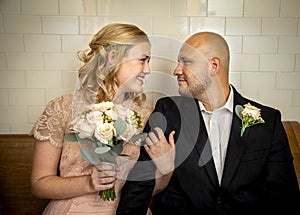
(111, 57)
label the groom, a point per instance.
(218, 168)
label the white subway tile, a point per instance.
(12, 79)
(235, 79)
(3, 97)
(21, 24)
(75, 43)
(11, 43)
(91, 25)
(10, 7)
(21, 128)
(207, 24)
(13, 114)
(188, 7)
(162, 64)
(234, 43)
(244, 62)
(61, 61)
(288, 80)
(296, 98)
(178, 7)
(279, 26)
(115, 7)
(290, 8)
(150, 8)
(69, 80)
(43, 79)
(143, 22)
(170, 25)
(196, 7)
(243, 26)
(289, 45)
(2, 61)
(24, 61)
(78, 7)
(60, 25)
(225, 8)
(34, 112)
(261, 8)
(40, 7)
(279, 63)
(161, 82)
(4, 128)
(297, 69)
(42, 43)
(54, 93)
(250, 93)
(1, 24)
(259, 80)
(260, 44)
(275, 98)
(26, 96)
(290, 113)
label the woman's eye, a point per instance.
(143, 60)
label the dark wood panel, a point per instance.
(15, 169)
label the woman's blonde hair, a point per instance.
(97, 77)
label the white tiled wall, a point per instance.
(39, 40)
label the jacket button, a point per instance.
(219, 200)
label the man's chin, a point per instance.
(185, 92)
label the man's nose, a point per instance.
(178, 70)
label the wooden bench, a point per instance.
(15, 167)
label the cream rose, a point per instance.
(129, 133)
(104, 132)
(252, 111)
(103, 106)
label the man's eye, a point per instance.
(186, 62)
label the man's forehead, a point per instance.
(187, 50)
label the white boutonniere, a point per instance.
(250, 115)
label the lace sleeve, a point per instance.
(54, 122)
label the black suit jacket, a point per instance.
(258, 173)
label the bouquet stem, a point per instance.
(108, 195)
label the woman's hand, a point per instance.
(103, 177)
(161, 151)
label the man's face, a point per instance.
(192, 72)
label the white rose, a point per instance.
(104, 132)
(95, 118)
(121, 111)
(84, 130)
(129, 132)
(252, 111)
(103, 106)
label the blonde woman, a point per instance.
(114, 69)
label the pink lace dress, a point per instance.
(52, 126)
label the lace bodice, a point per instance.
(55, 122)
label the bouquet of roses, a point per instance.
(101, 130)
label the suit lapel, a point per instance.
(194, 124)
(236, 144)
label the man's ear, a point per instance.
(111, 57)
(215, 64)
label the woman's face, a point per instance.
(134, 68)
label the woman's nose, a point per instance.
(147, 69)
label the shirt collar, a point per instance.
(228, 105)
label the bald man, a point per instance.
(221, 167)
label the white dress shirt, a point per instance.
(218, 124)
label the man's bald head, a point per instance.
(211, 45)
